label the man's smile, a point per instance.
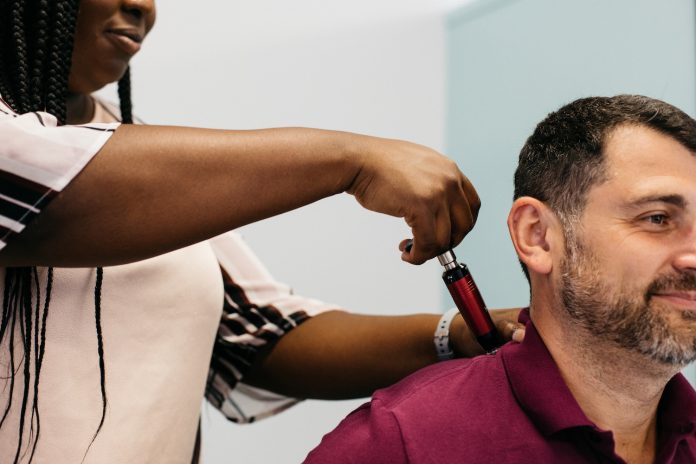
(681, 299)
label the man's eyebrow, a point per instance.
(672, 199)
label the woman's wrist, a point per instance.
(355, 149)
(462, 339)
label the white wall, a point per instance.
(358, 65)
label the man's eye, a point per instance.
(657, 219)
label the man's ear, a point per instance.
(532, 228)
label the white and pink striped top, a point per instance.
(38, 158)
(176, 327)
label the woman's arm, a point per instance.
(337, 354)
(153, 189)
(303, 347)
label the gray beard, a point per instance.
(626, 318)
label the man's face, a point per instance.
(629, 272)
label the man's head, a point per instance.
(604, 222)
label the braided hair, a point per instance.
(36, 38)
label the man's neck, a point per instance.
(617, 390)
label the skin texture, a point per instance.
(121, 208)
(637, 228)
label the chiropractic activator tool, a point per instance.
(469, 301)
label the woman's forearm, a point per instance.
(338, 355)
(155, 189)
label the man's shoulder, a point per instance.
(442, 412)
(454, 381)
(420, 417)
(469, 397)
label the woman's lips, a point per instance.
(126, 41)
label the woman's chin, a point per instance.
(87, 83)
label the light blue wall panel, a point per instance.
(513, 61)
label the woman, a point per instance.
(109, 365)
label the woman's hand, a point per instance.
(464, 343)
(425, 188)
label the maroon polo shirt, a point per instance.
(511, 407)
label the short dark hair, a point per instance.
(563, 158)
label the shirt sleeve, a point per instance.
(257, 310)
(38, 159)
(369, 435)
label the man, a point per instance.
(604, 223)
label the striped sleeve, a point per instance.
(38, 159)
(257, 311)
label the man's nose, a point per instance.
(685, 259)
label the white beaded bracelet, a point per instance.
(441, 338)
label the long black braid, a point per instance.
(124, 95)
(36, 38)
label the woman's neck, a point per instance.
(79, 108)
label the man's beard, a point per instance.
(625, 317)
